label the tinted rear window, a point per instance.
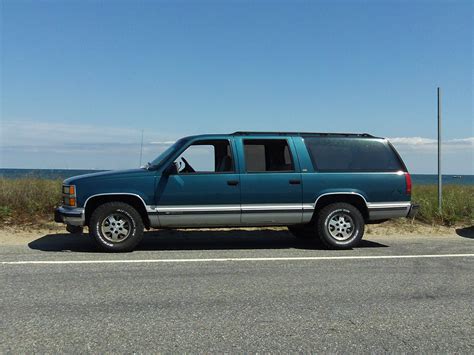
(352, 154)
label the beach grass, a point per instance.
(457, 207)
(28, 200)
(31, 201)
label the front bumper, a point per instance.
(414, 207)
(71, 216)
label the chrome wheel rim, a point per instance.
(341, 226)
(116, 227)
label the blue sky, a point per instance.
(80, 79)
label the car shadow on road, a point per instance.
(191, 240)
(467, 232)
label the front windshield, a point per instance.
(167, 153)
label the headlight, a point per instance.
(69, 195)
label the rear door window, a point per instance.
(352, 154)
(267, 155)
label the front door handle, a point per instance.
(295, 182)
(232, 182)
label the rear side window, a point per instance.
(265, 155)
(352, 154)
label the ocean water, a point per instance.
(426, 179)
(420, 179)
(43, 173)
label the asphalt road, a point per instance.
(238, 292)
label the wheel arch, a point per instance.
(354, 198)
(133, 200)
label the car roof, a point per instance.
(288, 134)
(300, 134)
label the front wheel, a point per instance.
(340, 226)
(116, 227)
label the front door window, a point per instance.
(212, 156)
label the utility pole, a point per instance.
(141, 150)
(440, 181)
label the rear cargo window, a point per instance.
(352, 154)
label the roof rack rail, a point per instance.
(245, 133)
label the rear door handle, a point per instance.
(295, 182)
(232, 182)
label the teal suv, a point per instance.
(320, 185)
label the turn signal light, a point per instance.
(72, 201)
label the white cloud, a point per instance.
(33, 144)
(462, 141)
(162, 143)
(17, 133)
(23, 133)
(412, 140)
(420, 154)
(420, 143)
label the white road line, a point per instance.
(207, 260)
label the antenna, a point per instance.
(440, 176)
(141, 150)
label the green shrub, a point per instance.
(5, 212)
(458, 204)
(28, 199)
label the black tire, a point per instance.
(337, 233)
(107, 236)
(303, 231)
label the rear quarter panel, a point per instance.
(373, 186)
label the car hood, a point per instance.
(106, 175)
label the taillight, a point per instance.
(408, 183)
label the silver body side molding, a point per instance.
(387, 210)
(377, 210)
(229, 215)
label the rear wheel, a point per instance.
(340, 226)
(116, 227)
